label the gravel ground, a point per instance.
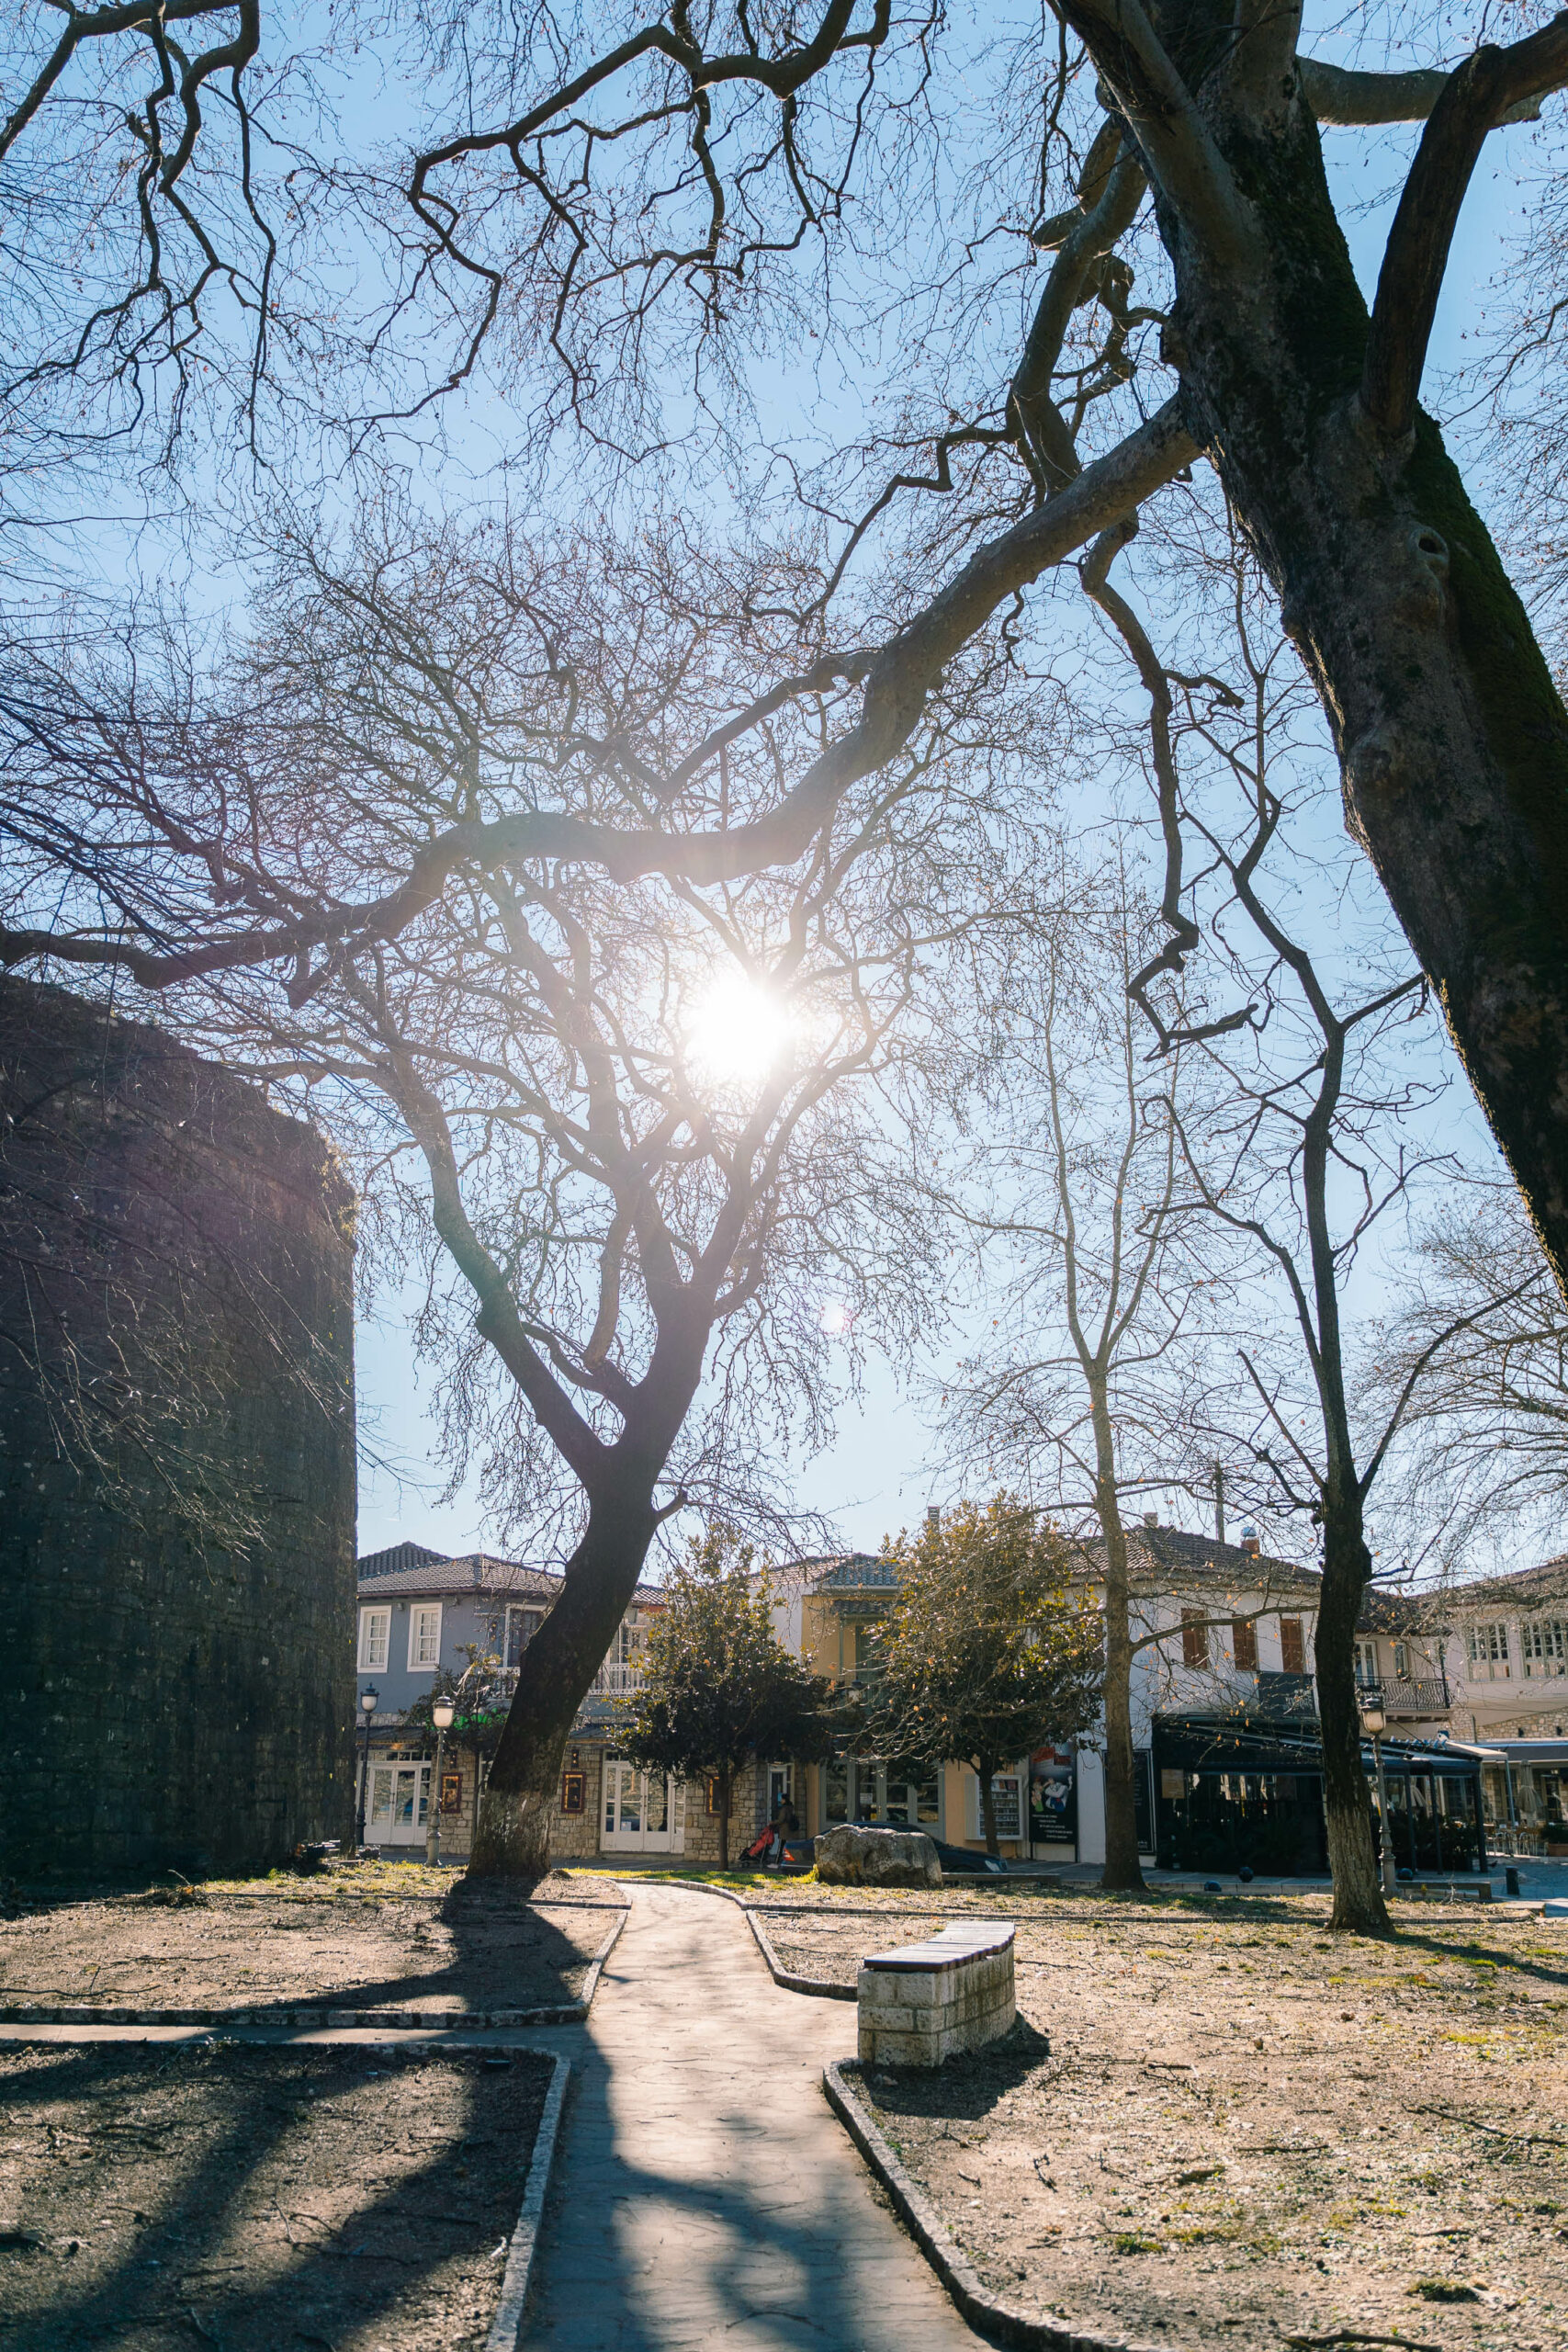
(257, 2200)
(1215, 2125)
(350, 1940)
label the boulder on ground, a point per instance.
(852, 1856)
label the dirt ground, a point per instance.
(258, 2199)
(1214, 2125)
(355, 1939)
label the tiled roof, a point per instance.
(396, 1556)
(1161, 1558)
(1526, 1588)
(851, 1571)
(474, 1572)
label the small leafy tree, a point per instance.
(988, 1649)
(719, 1687)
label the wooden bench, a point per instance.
(953, 1992)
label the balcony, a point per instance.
(615, 1680)
(612, 1681)
(1428, 1696)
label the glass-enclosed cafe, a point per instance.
(1231, 1793)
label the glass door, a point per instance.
(644, 1812)
(400, 1804)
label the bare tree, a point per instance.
(1105, 1287)
(643, 1130)
(1483, 1453)
(593, 198)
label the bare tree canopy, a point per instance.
(863, 280)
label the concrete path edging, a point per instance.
(596, 1966)
(506, 2328)
(981, 2308)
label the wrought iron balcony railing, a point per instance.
(1423, 1695)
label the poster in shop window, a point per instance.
(1053, 1797)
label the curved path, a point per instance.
(704, 2193)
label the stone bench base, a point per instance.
(953, 1991)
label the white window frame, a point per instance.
(370, 1620)
(1367, 1669)
(1401, 1662)
(1489, 1650)
(1544, 1646)
(419, 1611)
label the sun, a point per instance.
(738, 1032)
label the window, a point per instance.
(522, 1624)
(1292, 1649)
(424, 1636)
(1543, 1645)
(1244, 1644)
(1366, 1662)
(1402, 1661)
(1195, 1638)
(1007, 1804)
(1489, 1653)
(375, 1636)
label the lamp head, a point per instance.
(441, 1714)
(1374, 1720)
(370, 1700)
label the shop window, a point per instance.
(1293, 1648)
(1244, 1644)
(835, 1792)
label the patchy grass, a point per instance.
(1215, 2125)
(361, 1946)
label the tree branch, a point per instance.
(1476, 95)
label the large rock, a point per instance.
(851, 1856)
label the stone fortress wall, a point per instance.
(176, 1456)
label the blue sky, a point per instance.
(876, 1478)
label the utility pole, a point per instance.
(1219, 1502)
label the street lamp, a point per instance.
(369, 1700)
(441, 1716)
(1374, 1722)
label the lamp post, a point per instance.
(369, 1700)
(1374, 1722)
(441, 1716)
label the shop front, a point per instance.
(1234, 1794)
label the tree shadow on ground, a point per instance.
(967, 2086)
(255, 2198)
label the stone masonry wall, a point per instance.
(918, 2017)
(176, 1457)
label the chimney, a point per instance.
(1151, 1519)
(1249, 1542)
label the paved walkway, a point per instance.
(704, 2193)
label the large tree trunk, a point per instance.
(1358, 1905)
(1452, 740)
(511, 1838)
